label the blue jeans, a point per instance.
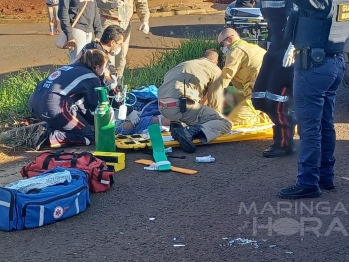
(314, 100)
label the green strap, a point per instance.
(158, 148)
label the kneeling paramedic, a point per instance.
(180, 95)
(320, 33)
(242, 64)
(54, 98)
(111, 43)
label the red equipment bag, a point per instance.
(100, 178)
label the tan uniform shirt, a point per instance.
(201, 77)
(242, 65)
(141, 8)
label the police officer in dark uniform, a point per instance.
(322, 26)
(273, 88)
(54, 98)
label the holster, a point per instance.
(308, 57)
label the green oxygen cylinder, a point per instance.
(104, 123)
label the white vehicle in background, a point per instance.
(248, 22)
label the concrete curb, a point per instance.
(200, 11)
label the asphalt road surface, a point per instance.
(213, 215)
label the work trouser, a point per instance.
(119, 61)
(272, 94)
(67, 125)
(212, 123)
(81, 39)
(314, 100)
(244, 113)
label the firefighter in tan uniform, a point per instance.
(196, 79)
(118, 12)
(242, 64)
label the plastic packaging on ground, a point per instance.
(41, 181)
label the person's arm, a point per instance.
(215, 94)
(97, 24)
(313, 5)
(232, 65)
(105, 4)
(142, 9)
(63, 15)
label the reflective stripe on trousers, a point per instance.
(271, 96)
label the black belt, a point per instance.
(331, 55)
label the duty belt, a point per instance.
(113, 18)
(168, 104)
(109, 17)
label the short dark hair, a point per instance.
(112, 32)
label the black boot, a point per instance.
(41, 137)
(296, 191)
(185, 137)
(327, 186)
(276, 151)
(174, 125)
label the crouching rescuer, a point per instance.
(183, 89)
(54, 101)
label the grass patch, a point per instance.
(160, 62)
(15, 91)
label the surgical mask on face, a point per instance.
(225, 50)
(116, 52)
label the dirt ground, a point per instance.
(35, 9)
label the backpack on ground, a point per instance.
(31, 203)
(100, 177)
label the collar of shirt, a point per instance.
(237, 43)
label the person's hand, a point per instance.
(134, 117)
(71, 44)
(117, 3)
(144, 28)
(111, 81)
(289, 56)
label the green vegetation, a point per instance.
(15, 89)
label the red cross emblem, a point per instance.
(58, 212)
(54, 75)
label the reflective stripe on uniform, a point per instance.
(268, 95)
(77, 81)
(258, 95)
(273, 4)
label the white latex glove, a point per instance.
(289, 56)
(112, 83)
(144, 28)
(117, 3)
(133, 117)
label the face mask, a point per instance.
(225, 50)
(114, 53)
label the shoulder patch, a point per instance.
(54, 75)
